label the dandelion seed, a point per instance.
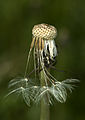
(18, 82)
(17, 91)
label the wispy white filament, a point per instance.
(52, 48)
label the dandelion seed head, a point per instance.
(44, 44)
(45, 31)
(45, 52)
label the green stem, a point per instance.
(45, 112)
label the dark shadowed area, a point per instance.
(17, 18)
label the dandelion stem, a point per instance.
(45, 112)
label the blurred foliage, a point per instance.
(17, 17)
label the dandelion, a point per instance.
(45, 53)
(43, 42)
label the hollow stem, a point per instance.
(45, 112)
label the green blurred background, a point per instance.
(17, 17)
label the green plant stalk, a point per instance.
(45, 112)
